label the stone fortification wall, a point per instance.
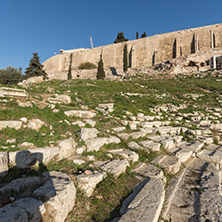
(141, 52)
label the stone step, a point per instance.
(149, 170)
(183, 193)
(194, 146)
(210, 195)
(151, 145)
(211, 156)
(171, 164)
(145, 203)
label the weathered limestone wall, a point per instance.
(142, 52)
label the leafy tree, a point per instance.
(69, 75)
(100, 70)
(35, 68)
(120, 38)
(125, 63)
(144, 35)
(137, 35)
(10, 75)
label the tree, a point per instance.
(69, 75)
(144, 35)
(10, 75)
(125, 63)
(137, 35)
(120, 38)
(100, 70)
(35, 68)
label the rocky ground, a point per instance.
(67, 156)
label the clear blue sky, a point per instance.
(46, 26)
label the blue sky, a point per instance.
(46, 26)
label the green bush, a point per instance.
(10, 75)
(87, 65)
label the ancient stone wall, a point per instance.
(141, 52)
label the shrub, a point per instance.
(10, 75)
(87, 65)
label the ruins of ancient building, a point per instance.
(141, 52)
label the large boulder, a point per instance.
(58, 195)
(21, 185)
(67, 148)
(23, 210)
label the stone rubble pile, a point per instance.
(185, 152)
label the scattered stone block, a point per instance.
(123, 136)
(11, 124)
(60, 99)
(137, 135)
(133, 124)
(88, 133)
(92, 123)
(80, 113)
(194, 146)
(171, 164)
(151, 145)
(146, 125)
(114, 167)
(78, 161)
(35, 124)
(169, 130)
(135, 146)
(119, 129)
(89, 182)
(140, 117)
(177, 139)
(5, 91)
(206, 139)
(67, 148)
(112, 139)
(167, 144)
(211, 156)
(148, 170)
(205, 123)
(126, 154)
(107, 107)
(184, 154)
(95, 143)
(79, 123)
